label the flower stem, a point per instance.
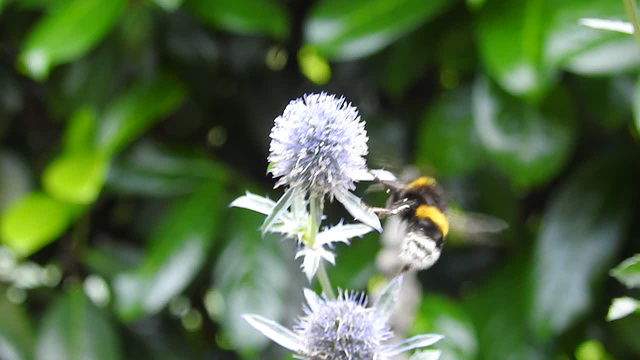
(631, 7)
(314, 224)
(323, 278)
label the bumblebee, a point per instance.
(421, 206)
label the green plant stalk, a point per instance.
(323, 278)
(631, 7)
(314, 225)
(313, 222)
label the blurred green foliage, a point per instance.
(127, 126)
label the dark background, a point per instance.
(126, 128)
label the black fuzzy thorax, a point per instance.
(432, 195)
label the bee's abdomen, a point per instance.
(419, 251)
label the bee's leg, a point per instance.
(403, 270)
(381, 212)
(384, 212)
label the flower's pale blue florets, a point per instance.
(342, 329)
(318, 145)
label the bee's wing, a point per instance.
(475, 227)
(375, 188)
(393, 186)
(386, 185)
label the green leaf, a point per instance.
(252, 277)
(16, 332)
(109, 258)
(12, 97)
(611, 25)
(578, 48)
(530, 144)
(15, 179)
(440, 315)
(34, 221)
(74, 329)
(131, 181)
(616, 56)
(244, 16)
(447, 138)
(177, 250)
(628, 272)
(153, 169)
(499, 312)
(161, 158)
(621, 307)
(313, 65)
(625, 332)
(3, 3)
(607, 101)
(405, 63)
(86, 85)
(66, 33)
(137, 34)
(592, 350)
(636, 105)
(475, 4)
(81, 130)
(581, 231)
(510, 43)
(352, 29)
(456, 52)
(169, 5)
(38, 4)
(136, 110)
(162, 343)
(76, 178)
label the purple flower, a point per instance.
(318, 145)
(343, 329)
(317, 148)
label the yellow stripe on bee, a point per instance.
(434, 214)
(421, 181)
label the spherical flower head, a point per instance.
(318, 145)
(342, 329)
